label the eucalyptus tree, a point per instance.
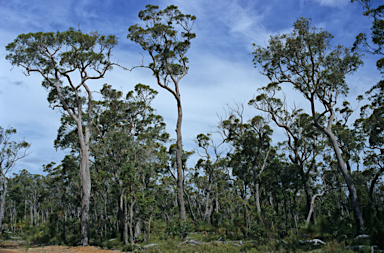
(304, 142)
(210, 161)
(171, 168)
(351, 140)
(64, 184)
(372, 114)
(15, 201)
(20, 183)
(361, 43)
(128, 135)
(371, 121)
(281, 181)
(306, 60)
(10, 153)
(167, 36)
(17, 196)
(251, 142)
(58, 57)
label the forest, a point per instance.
(126, 184)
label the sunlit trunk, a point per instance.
(86, 185)
(3, 195)
(130, 222)
(179, 150)
(207, 200)
(344, 171)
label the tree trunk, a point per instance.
(3, 195)
(35, 215)
(121, 217)
(347, 177)
(257, 197)
(294, 212)
(247, 218)
(207, 206)
(313, 205)
(285, 213)
(256, 180)
(125, 224)
(256, 185)
(344, 171)
(216, 199)
(131, 221)
(179, 150)
(86, 186)
(137, 231)
(83, 135)
(190, 206)
(31, 213)
(149, 229)
(307, 189)
(373, 182)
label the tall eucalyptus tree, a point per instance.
(304, 142)
(167, 37)
(58, 57)
(251, 142)
(306, 60)
(128, 135)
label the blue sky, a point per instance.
(221, 70)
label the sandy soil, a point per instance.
(20, 246)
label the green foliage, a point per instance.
(10, 151)
(255, 231)
(176, 227)
(161, 38)
(304, 42)
(57, 55)
(29, 50)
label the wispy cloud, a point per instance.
(333, 3)
(17, 82)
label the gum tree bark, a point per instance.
(343, 169)
(256, 176)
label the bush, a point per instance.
(181, 229)
(255, 231)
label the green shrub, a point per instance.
(177, 228)
(255, 231)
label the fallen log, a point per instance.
(150, 245)
(363, 236)
(191, 242)
(314, 241)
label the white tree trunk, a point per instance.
(3, 195)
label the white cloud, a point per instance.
(333, 3)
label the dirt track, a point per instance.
(20, 246)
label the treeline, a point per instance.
(322, 180)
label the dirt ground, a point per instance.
(21, 246)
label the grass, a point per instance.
(213, 240)
(210, 244)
